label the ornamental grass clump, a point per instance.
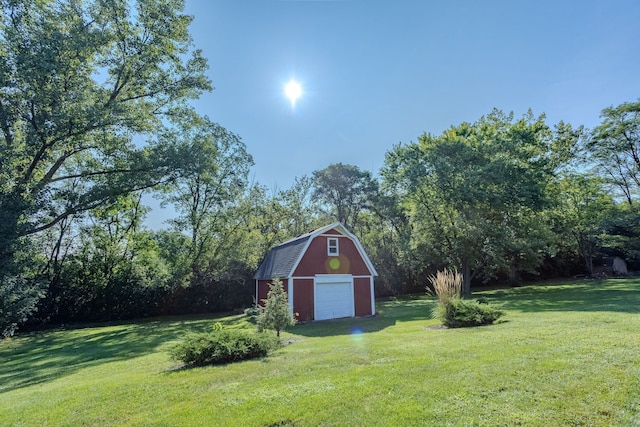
(446, 284)
(452, 310)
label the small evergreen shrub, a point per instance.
(458, 313)
(252, 314)
(275, 314)
(223, 346)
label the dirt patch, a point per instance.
(436, 327)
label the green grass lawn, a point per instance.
(564, 354)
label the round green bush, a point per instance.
(223, 346)
(457, 313)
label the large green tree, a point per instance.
(581, 207)
(345, 191)
(282, 214)
(473, 193)
(614, 146)
(622, 234)
(614, 149)
(84, 87)
(113, 270)
(385, 231)
(207, 198)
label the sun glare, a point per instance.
(293, 91)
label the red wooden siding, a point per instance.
(303, 299)
(263, 289)
(316, 261)
(362, 296)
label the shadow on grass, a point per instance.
(349, 326)
(38, 357)
(615, 295)
(388, 313)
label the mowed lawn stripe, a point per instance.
(564, 354)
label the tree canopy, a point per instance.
(85, 88)
(345, 190)
(96, 115)
(473, 192)
(615, 148)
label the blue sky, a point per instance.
(375, 73)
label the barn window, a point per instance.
(332, 247)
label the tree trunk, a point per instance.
(588, 260)
(466, 278)
(585, 248)
(8, 238)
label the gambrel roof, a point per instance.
(282, 260)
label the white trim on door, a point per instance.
(341, 283)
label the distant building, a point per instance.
(326, 274)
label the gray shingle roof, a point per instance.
(280, 259)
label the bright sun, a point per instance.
(293, 91)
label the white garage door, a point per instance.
(333, 297)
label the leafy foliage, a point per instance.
(474, 193)
(281, 216)
(78, 81)
(18, 298)
(621, 235)
(581, 207)
(346, 191)
(94, 115)
(213, 290)
(614, 146)
(208, 197)
(86, 88)
(275, 314)
(222, 346)
(252, 314)
(21, 287)
(115, 271)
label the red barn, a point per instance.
(326, 274)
